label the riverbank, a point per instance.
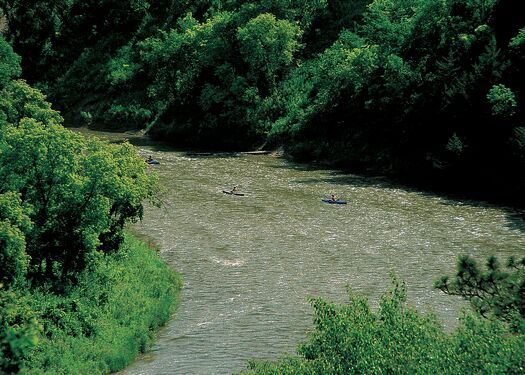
(442, 181)
(106, 320)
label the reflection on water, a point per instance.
(249, 263)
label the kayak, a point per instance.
(230, 193)
(152, 161)
(337, 201)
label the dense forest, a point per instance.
(430, 90)
(424, 89)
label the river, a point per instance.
(250, 262)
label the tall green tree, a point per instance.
(80, 193)
(14, 222)
(64, 199)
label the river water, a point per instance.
(250, 262)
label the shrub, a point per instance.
(18, 331)
(351, 338)
(108, 317)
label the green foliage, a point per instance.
(64, 202)
(352, 338)
(20, 100)
(371, 84)
(207, 81)
(330, 21)
(502, 100)
(100, 326)
(33, 32)
(9, 63)
(165, 69)
(18, 331)
(518, 42)
(492, 291)
(87, 117)
(390, 23)
(48, 34)
(80, 193)
(425, 74)
(455, 145)
(130, 114)
(267, 45)
(14, 222)
(387, 340)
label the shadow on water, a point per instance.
(353, 180)
(140, 140)
(515, 217)
(158, 146)
(147, 142)
(516, 220)
(211, 155)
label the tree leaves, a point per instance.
(492, 291)
(75, 194)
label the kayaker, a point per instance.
(234, 190)
(149, 159)
(333, 198)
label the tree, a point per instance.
(64, 199)
(9, 63)
(80, 193)
(503, 101)
(33, 32)
(18, 332)
(19, 100)
(268, 45)
(492, 291)
(14, 223)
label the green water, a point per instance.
(249, 263)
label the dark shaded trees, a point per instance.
(430, 90)
(440, 77)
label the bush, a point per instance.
(108, 317)
(353, 339)
(18, 331)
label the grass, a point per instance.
(108, 318)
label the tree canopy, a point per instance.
(419, 88)
(64, 202)
(64, 199)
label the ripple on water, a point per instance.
(249, 263)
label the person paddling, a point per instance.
(234, 190)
